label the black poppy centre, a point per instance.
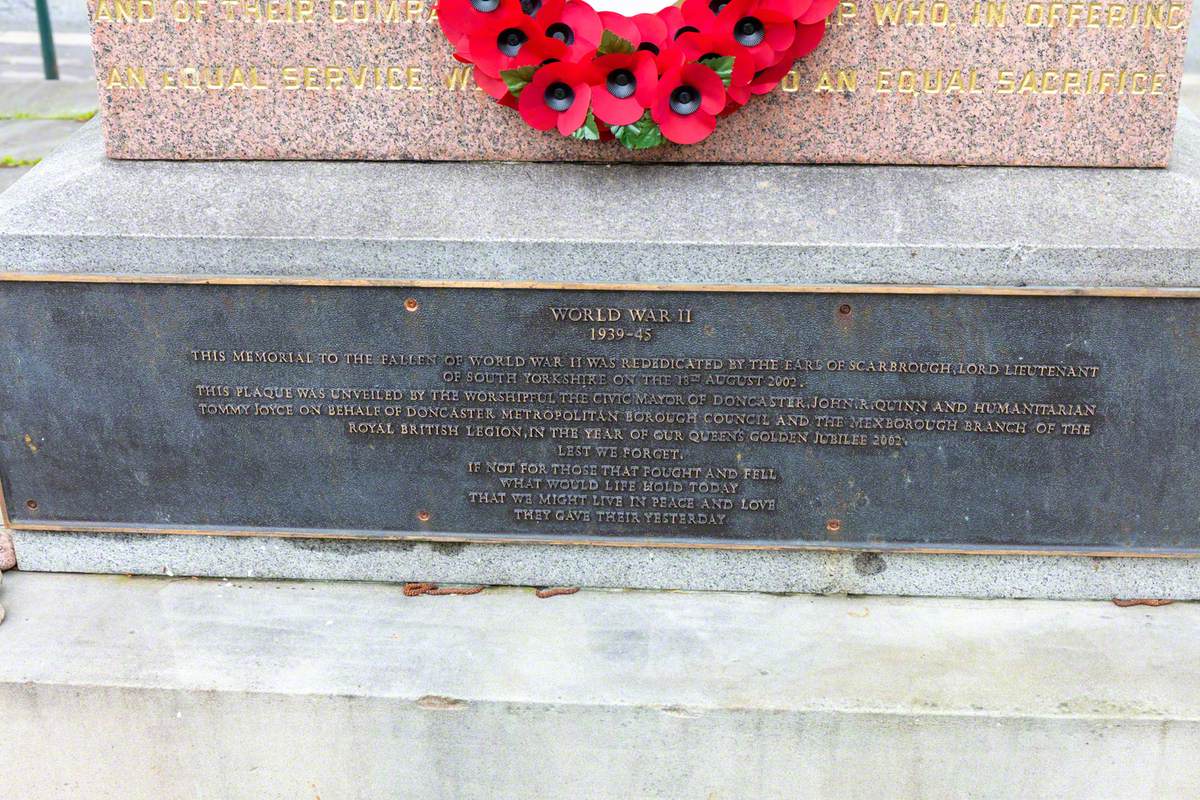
(621, 83)
(562, 32)
(559, 96)
(685, 100)
(749, 31)
(511, 40)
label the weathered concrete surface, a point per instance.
(42, 99)
(1190, 91)
(138, 688)
(858, 573)
(776, 225)
(10, 175)
(27, 141)
(8, 555)
(36, 117)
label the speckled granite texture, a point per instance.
(8, 556)
(81, 212)
(416, 115)
(810, 572)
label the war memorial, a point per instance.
(758, 398)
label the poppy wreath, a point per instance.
(643, 80)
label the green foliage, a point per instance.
(588, 131)
(722, 65)
(611, 43)
(640, 135)
(84, 117)
(517, 79)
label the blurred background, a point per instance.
(36, 115)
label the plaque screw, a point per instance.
(844, 309)
(423, 515)
(833, 526)
(411, 304)
(32, 505)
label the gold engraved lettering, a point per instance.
(1145, 16)
(124, 11)
(630, 437)
(127, 78)
(844, 81)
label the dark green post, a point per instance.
(49, 60)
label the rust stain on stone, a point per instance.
(556, 591)
(418, 589)
(1141, 602)
(437, 702)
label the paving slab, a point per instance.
(34, 98)
(1190, 91)
(10, 175)
(138, 688)
(27, 141)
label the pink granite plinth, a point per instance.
(8, 555)
(1044, 83)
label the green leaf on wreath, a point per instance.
(517, 79)
(611, 43)
(722, 65)
(588, 131)
(640, 135)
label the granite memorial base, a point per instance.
(893, 82)
(978, 380)
(143, 688)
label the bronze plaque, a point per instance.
(908, 419)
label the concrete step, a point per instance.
(131, 688)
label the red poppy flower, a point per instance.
(496, 88)
(687, 103)
(807, 39)
(509, 41)
(557, 97)
(817, 12)
(672, 17)
(792, 9)
(572, 22)
(622, 26)
(459, 17)
(765, 33)
(766, 80)
(652, 32)
(559, 39)
(697, 46)
(623, 86)
(703, 13)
